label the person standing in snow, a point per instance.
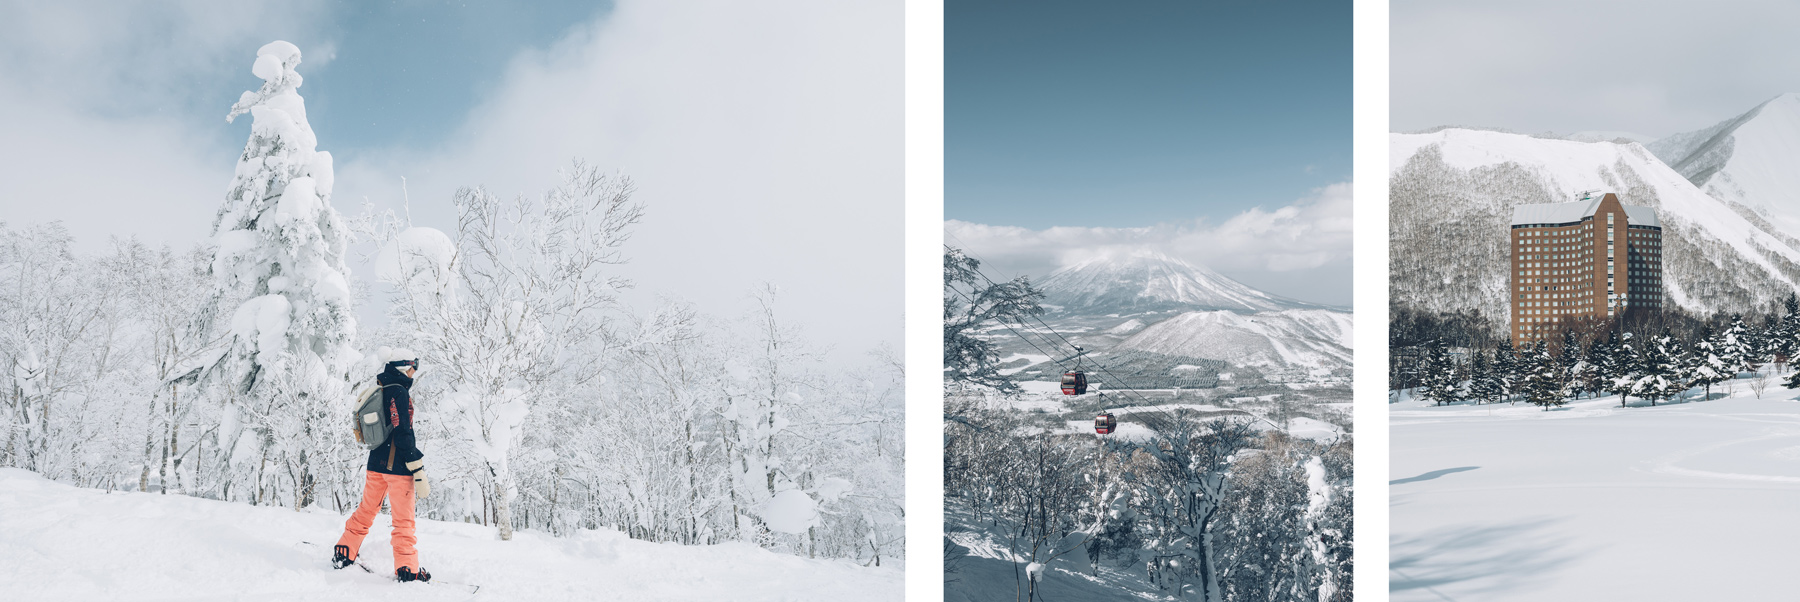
(396, 470)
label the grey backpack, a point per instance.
(370, 427)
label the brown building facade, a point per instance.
(1592, 257)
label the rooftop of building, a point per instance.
(1573, 211)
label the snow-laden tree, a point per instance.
(1190, 481)
(1569, 359)
(1703, 366)
(1484, 387)
(971, 301)
(279, 308)
(49, 307)
(509, 315)
(1442, 377)
(1546, 385)
(1658, 374)
(1738, 350)
(1506, 369)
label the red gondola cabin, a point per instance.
(1105, 424)
(1074, 383)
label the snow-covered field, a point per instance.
(1688, 501)
(59, 542)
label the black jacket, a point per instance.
(401, 446)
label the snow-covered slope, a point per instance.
(1451, 193)
(1147, 280)
(1505, 503)
(1752, 160)
(59, 542)
(1295, 338)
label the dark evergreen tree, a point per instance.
(1568, 359)
(1506, 370)
(1483, 386)
(1544, 378)
(1704, 366)
(1442, 382)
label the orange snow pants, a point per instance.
(399, 492)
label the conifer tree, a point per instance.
(1569, 360)
(1704, 366)
(1482, 387)
(279, 308)
(1544, 379)
(1601, 360)
(1506, 369)
(1442, 384)
(1738, 348)
(1626, 359)
(1658, 369)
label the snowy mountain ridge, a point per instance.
(1148, 280)
(1451, 193)
(1751, 161)
(1294, 338)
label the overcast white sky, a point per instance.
(765, 139)
(1300, 250)
(1651, 67)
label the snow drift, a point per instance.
(59, 542)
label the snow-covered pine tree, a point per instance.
(1704, 366)
(1545, 382)
(1784, 341)
(1568, 359)
(1483, 386)
(1659, 374)
(279, 309)
(1627, 360)
(1600, 360)
(1738, 349)
(1442, 382)
(1506, 370)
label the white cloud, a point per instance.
(1651, 66)
(1301, 250)
(765, 140)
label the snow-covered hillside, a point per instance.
(1751, 161)
(1146, 280)
(1295, 338)
(1690, 501)
(59, 542)
(1451, 193)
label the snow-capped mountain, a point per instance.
(1145, 280)
(1750, 161)
(1295, 338)
(1451, 194)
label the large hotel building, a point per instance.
(1592, 257)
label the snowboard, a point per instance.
(435, 581)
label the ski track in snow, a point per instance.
(59, 542)
(1687, 501)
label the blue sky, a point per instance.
(742, 124)
(406, 72)
(1063, 113)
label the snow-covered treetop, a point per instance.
(275, 63)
